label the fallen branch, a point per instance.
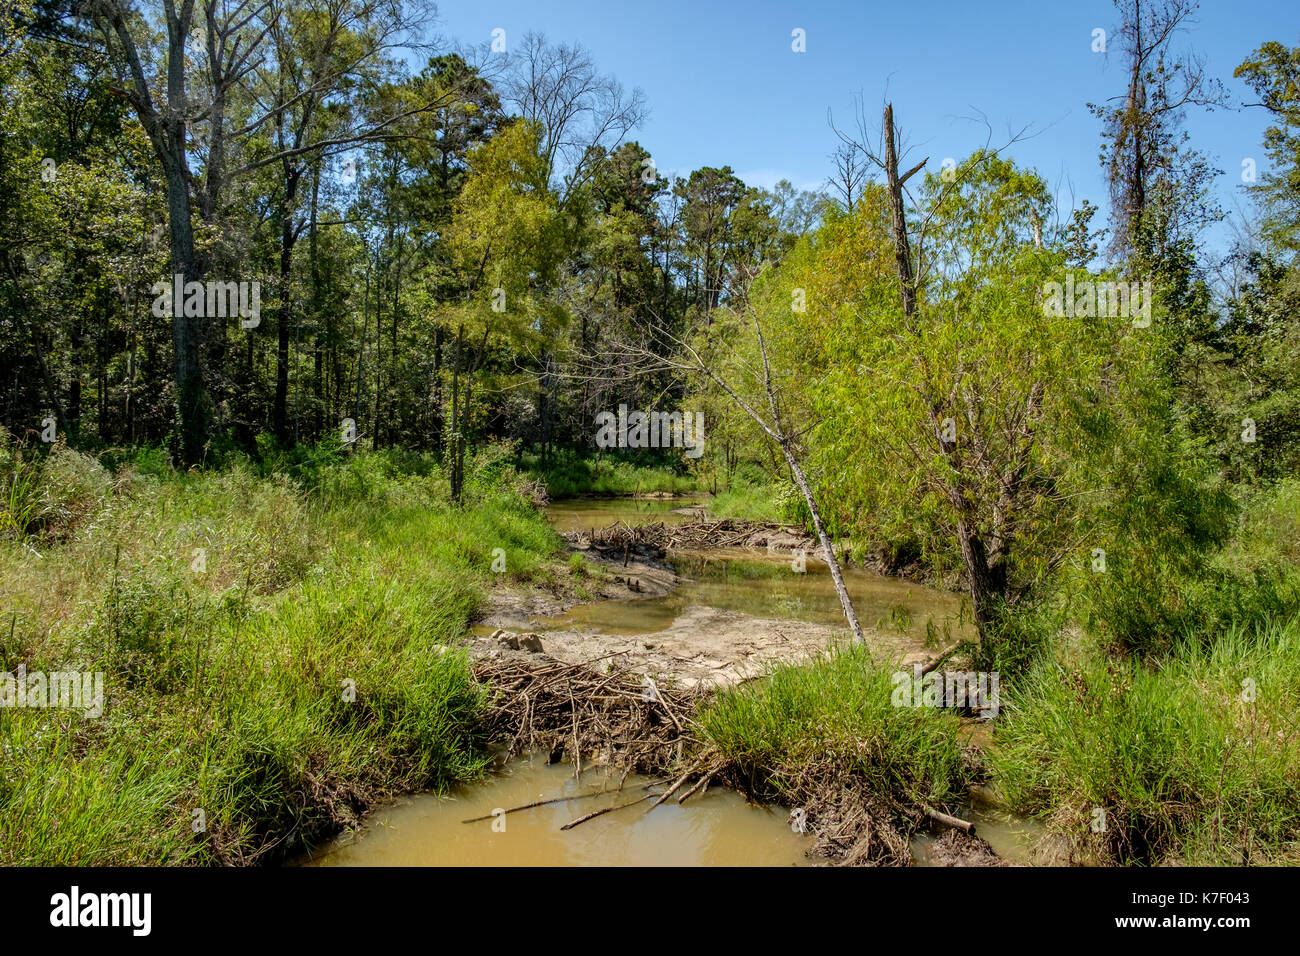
(703, 782)
(595, 813)
(939, 660)
(965, 826)
(576, 796)
(676, 786)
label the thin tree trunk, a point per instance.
(832, 562)
(902, 250)
(454, 455)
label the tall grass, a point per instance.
(748, 502)
(263, 696)
(1194, 760)
(568, 476)
(837, 709)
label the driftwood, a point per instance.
(677, 785)
(624, 538)
(965, 826)
(701, 784)
(595, 813)
(547, 803)
(940, 659)
(552, 707)
(549, 706)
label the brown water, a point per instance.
(717, 828)
(587, 514)
(1010, 836)
(749, 582)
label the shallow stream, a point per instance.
(716, 828)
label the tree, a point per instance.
(1273, 73)
(709, 197)
(560, 88)
(962, 411)
(166, 120)
(718, 354)
(1158, 186)
(507, 239)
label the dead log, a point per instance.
(965, 826)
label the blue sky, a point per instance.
(725, 88)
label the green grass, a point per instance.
(1185, 768)
(836, 709)
(749, 502)
(1269, 531)
(569, 476)
(301, 675)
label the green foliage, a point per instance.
(577, 565)
(1273, 73)
(1185, 767)
(225, 687)
(569, 475)
(838, 707)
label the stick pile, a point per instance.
(724, 533)
(614, 718)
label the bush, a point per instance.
(48, 494)
(225, 682)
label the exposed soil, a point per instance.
(610, 580)
(586, 696)
(955, 848)
(704, 647)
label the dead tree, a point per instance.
(772, 424)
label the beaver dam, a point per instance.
(594, 706)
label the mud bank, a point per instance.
(627, 697)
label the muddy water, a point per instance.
(717, 828)
(587, 514)
(712, 829)
(1011, 837)
(750, 582)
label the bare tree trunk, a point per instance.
(775, 430)
(454, 456)
(832, 562)
(902, 249)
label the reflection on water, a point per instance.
(744, 581)
(751, 582)
(717, 828)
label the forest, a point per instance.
(308, 314)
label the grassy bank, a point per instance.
(273, 650)
(825, 738)
(750, 502)
(779, 727)
(570, 476)
(1196, 760)
(1187, 753)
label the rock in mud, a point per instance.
(520, 642)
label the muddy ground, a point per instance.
(704, 648)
